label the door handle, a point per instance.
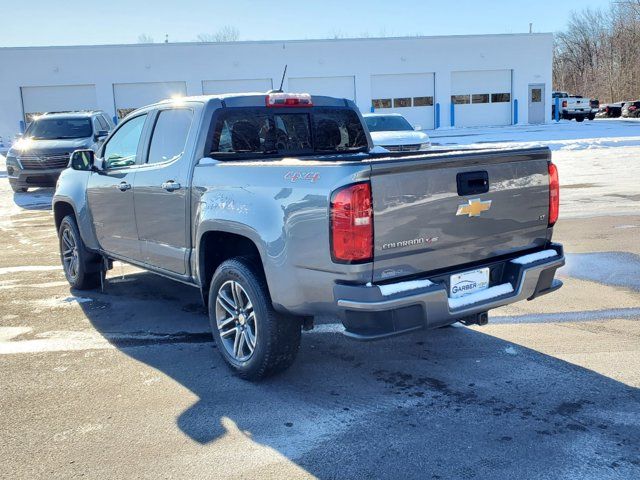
(170, 186)
(123, 186)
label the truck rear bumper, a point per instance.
(368, 314)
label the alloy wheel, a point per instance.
(236, 321)
(70, 256)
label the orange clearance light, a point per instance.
(289, 100)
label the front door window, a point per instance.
(122, 148)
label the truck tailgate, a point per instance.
(430, 212)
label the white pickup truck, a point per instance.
(572, 107)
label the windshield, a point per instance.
(59, 128)
(390, 123)
(274, 132)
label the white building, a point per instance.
(475, 80)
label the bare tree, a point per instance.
(144, 38)
(227, 33)
(596, 54)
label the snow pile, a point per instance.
(394, 288)
(535, 257)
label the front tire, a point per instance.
(81, 267)
(254, 339)
(579, 119)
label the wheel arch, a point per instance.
(216, 246)
(61, 209)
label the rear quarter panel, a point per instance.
(283, 207)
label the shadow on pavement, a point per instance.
(34, 199)
(449, 403)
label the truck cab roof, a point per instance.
(254, 99)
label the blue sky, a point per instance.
(71, 22)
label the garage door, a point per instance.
(408, 94)
(129, 96)
(481, 98)
(215, 87)
(341, 87)
(64, 98)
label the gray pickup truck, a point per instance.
(278, 209)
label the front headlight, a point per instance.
(425, 146)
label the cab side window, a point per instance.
(122, 148)
(170, 135)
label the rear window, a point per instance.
(252, 132)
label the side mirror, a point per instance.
(82, 160)
(101, 135)
(417, 128)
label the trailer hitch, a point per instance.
(480, 319)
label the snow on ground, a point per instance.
(565, 135)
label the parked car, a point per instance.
(631, 109)
(613, 110)
(38, 157)
(572, 107)
(393, 132)
(268, 206)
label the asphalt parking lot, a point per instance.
(126, 383)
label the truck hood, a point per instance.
(27, 145)
(405, 137)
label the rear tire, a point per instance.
(254, 339)
(579, 119)
(81, 267)
(591, 117)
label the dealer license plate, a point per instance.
(465, 283)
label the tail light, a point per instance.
(632, 108)
(288, 100)
(564, 104)
(554, 194)
(352, 224)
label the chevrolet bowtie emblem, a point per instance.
(474, 207)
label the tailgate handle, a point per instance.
(472, 183)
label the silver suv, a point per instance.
(39, 156)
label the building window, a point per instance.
(460, 99)
(401, 102)
(536, 95)
(480, 98)
(500, 97)
(381, 103)
(423, 101)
